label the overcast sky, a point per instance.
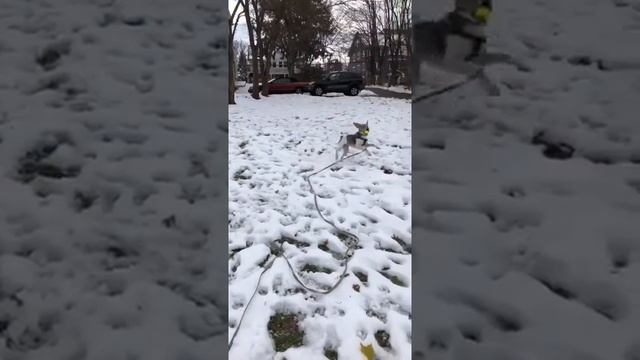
(241, 32)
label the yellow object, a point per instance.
(368, 352)
(366, 132)
(482, 14)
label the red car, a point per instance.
(284, 85)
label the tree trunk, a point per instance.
(266, 67)
(289, 57)
(393, 63)
(409, 58)
(374, 51)
(254, 51)
(393, 81)
(291, 65)
(383, 63)
(231, 87)
(232, 82)
(265, 75)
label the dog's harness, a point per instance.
(457, 22)
(361, 138)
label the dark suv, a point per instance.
(345, 82)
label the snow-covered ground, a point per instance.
(527, 249)
(273, 143)
(108, 200)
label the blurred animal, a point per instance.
(357, 141)
(456, 43)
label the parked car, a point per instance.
(346, 82)
(284, 85)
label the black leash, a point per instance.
(446, 89)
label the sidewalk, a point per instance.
(388, 93)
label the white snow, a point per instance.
(523, 256)
(273, 143)
(108, 196)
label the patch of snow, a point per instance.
(273, 143)
(527, 218)
(107, 146)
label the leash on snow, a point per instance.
(352, 241)
(448, 88)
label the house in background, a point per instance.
(359, 55)
(278, 67)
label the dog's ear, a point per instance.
(357, 125)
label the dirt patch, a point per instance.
(382, 337)
(284, 331)
(394, 279)
(330, 354)
(316, 268)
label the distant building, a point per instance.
(278, 67)
(359, 56)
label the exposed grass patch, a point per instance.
(284, 331)
(316, 268)
(361, 276)
(295, 242)
(406, 247)
(263, 262)
(324, 246)
(240, 174)
(382, 337)
(394, 279)
(330, 354)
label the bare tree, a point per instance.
(268, 50)
(397, 24)
(339, 41)
(305, 28)
(404, 35)
(239, 46)
(263, 36)
(254, 36)
(384, 27)
(234, 18)
(365, 18)
(242, 66)
(408, 41)
(375, 60)
(270, 32)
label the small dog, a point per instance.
(457, 42)
(357, 141)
